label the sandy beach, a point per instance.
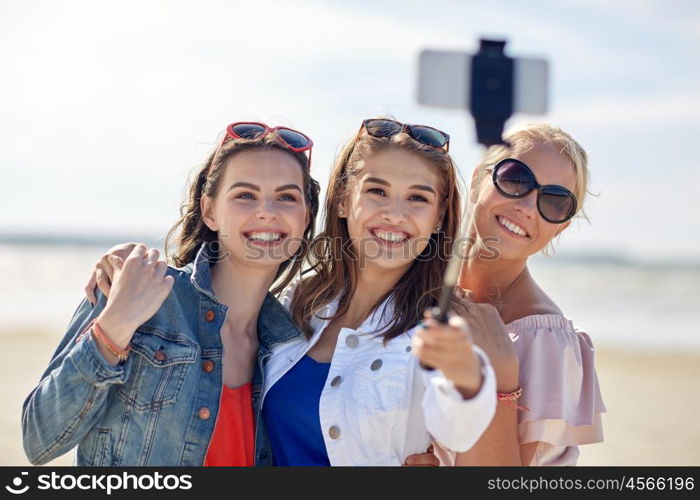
(652, 409)
(651, 401)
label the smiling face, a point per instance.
(392, 208)
(516, 224)
(259, 211)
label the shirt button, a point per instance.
(376, 364)
(336, 381)
(159, 355)
(204, 413)
(352, 341)
(334, 432)
(210, 315)
(408, 348)
(208, 366)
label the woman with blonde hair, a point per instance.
(523, 196)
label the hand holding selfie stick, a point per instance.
(492, 86)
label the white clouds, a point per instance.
(634, 113)
(681, 17)
(108, 106)
(639, 215)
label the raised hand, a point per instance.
(103, 273)
(139, 288)
(449, 349)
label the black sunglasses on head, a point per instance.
(428, 136)
(514, 179)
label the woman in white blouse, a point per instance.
(351, 390)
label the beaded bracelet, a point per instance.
(118, 352)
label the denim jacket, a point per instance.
(158, 407)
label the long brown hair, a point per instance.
(187, 235)
(336, 271)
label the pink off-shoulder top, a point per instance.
(560, 389)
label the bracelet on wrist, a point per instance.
(510, 398)
(118, 352)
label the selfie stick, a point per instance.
(491, 104)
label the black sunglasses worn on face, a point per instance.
(428, 136)
(514, 179)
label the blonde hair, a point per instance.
(523, 138)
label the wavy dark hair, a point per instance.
(335, 272)
(186, 237)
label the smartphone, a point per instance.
(444, 80)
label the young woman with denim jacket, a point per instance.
(352, 390)
(140, 378)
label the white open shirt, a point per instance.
(378, 406)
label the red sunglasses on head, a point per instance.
(288, 137)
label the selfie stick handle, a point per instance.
(449, 282)
(491, 104)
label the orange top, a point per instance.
(234, 433)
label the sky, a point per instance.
(107, 107)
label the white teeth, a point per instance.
(265, 236)
(390, 236)
(512, 227)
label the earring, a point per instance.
(437, 229)
(341, 212)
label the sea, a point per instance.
(620, 303)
